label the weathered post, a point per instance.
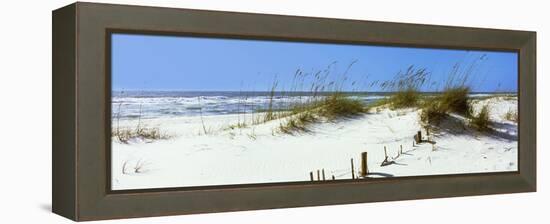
(311, 176)
(323, 174)
(333, 177)
(364, 168)
(419, 136)
(352, 170)
(400, 149)
(318, 175)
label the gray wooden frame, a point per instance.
(81, 111)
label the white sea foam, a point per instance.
(155, 105)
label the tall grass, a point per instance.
(204, 129)
(331, 108)
(406, 86)
(454, 97)
(452, 100)
(456, 100)
(339, 105)
(320, 97)
(269, 113)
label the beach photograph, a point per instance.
(205, 111)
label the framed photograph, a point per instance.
(201, 111)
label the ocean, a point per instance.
(156, 104)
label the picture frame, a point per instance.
(81, 111)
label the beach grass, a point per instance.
(406, 86)
(325, 99)
(320, 98)
(140, 131)
(481, 120)
(340, 106)
(456, 100)
(405, 99)
(511, 115)
(433, 113)
(124, 135)
(331, 108)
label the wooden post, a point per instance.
(400, 149)
(333, 177)
(385, 153)
(311, 176)
(419, 136)
(318, 175)
(352, 170)
(323, 174)
(364, 168)
(413, 144)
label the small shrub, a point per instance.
(481, 120)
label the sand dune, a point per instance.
(259, 154)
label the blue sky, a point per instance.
(147, 62)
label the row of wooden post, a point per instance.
(364, 172)
(320, 175)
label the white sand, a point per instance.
(258, 154)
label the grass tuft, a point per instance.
(511, 115)
(451, 100)
(340, 106)
(124, 135)
(406, 86)
(433, 113)
(405, 99)
(455, 100)
(297, 123)
(331, 108)
(481, 120)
